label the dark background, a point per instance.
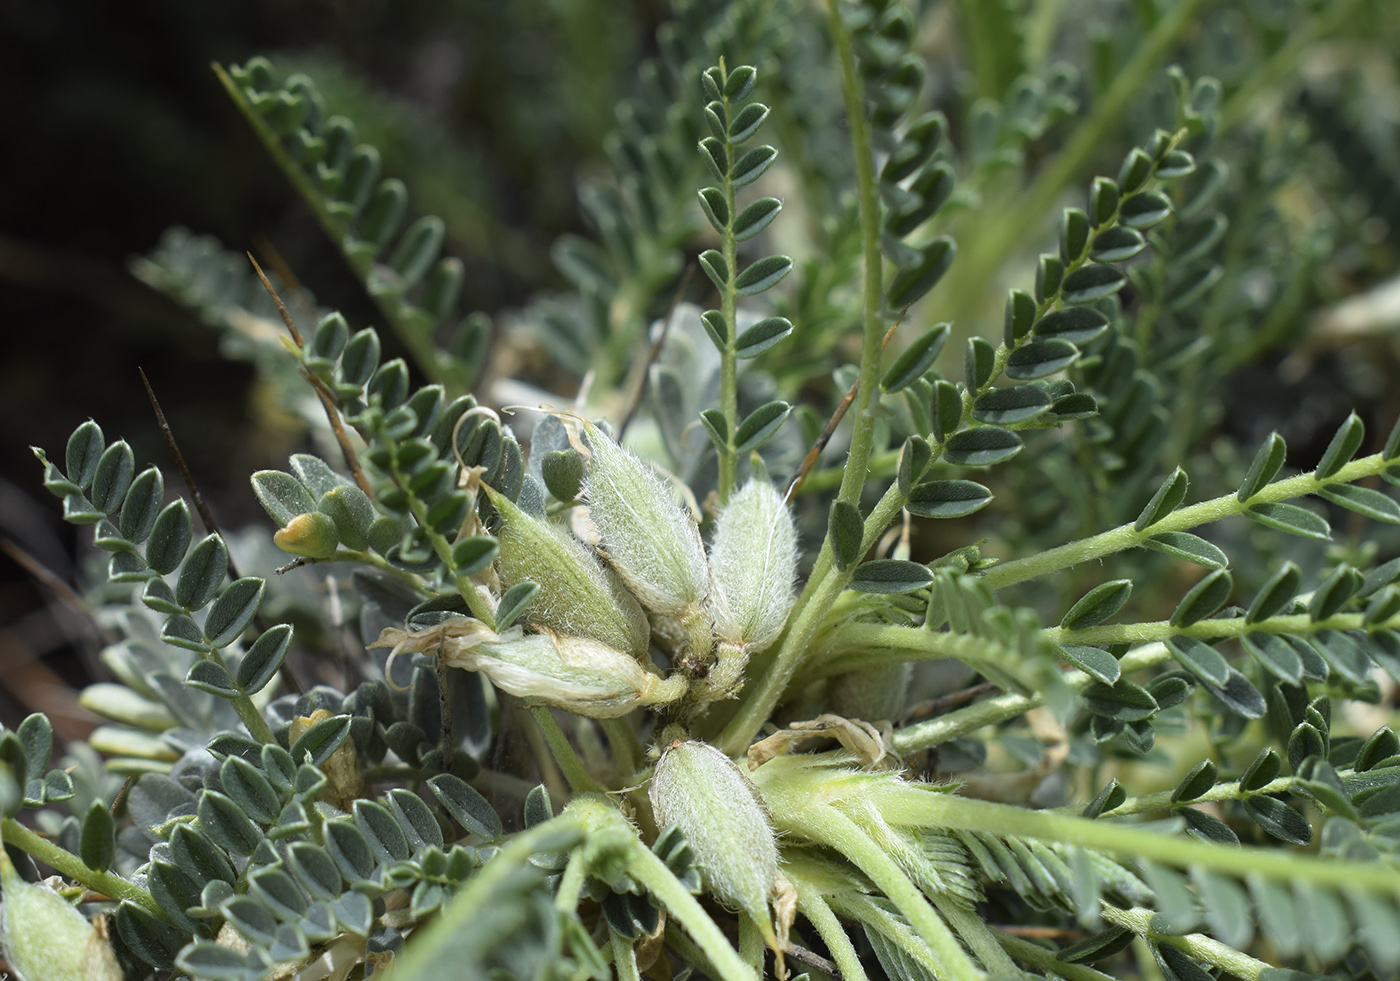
(115, 128)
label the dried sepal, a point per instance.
(577, 674)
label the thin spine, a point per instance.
(284, 670)
(328, 399)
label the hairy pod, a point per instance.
(753, 560)
(578, 596)
(312, 535)
(651, 542)
(577, 674)
(46, 939)
(706, 795)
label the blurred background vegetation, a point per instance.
(116, 129)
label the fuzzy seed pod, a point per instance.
(577, 674)
(312, 534)
(705, 794)
(651, 542)
(577, 595)
(754, 560)
(46, 939)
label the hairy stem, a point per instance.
(951, 812)
(828, 826)
(1162, 800)
(563, 751)
(1197, 945)
(624, 956)
(247, 712)
(1003, 707)
(729, 362)
(863, 430)
(1125, 536)
(651, 872)
(63, 861)
(1142, 633)
(833, 934)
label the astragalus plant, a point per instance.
(777, 636)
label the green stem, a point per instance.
(571, 883)
(624, 956)
(70, 865)
(1197, 945)
(1045, 959)
(856, 646)
(544, 762)
(862, 908)
(651, 872)
(837, 941)
(478, 605)
(751, 945)
(976, 934)
(825, 825)
(623, 742)
(729, 361)
(248, 712)
(904, 806)
(881, 464)
(563, 751)
(1125, 536)
(1142, 633)
(494, 880)
(987, 252)
(1003, 707)
(1162, 800)
(863, 427)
